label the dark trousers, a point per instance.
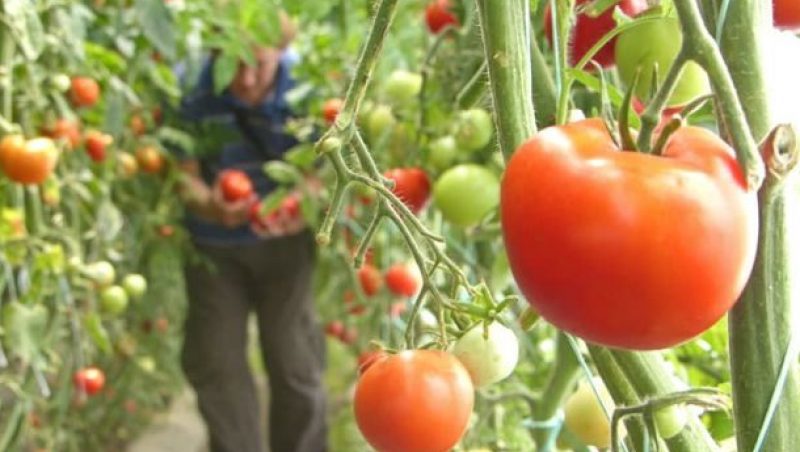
(274, 279)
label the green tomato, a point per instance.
(114, 300)
(586, 418)
(101, 273)
(61, 82)
(402, 87)
(135, 285)
(466, 193)
(380, 121)
(488, 358)
(654, 45)
(670, 421)
(442, 152)
(473, 129)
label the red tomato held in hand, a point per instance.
(331, 108)
(589, 30)
(89, 380)
(235, 185)
(416, 400)
(84, 91)
(402, 280)
(786, 14)
(412, 186)
(626, 249)
(438, 16)
(96, 143)
(370, 279)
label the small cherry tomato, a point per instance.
(150, 159)
(412, 186)
(95, 143)
(331, 108)
(370, 279)
(89, 380)
(403, 279)
(438, 15)
(489, 355)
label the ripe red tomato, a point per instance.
(402, 280)
(334, 328)
(438, 15)
(626, 249)
(65, 129)
(150, 159)
(89, 380)
(786, 14)
(96, 143)
(84, 91)
(416, 400)
(331, 108)
(235, 185)
(589, 30)
(412, 186)
(290, 205)
(27, 161)
(370, 279)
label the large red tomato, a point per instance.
(27, 161)
(627, 249)
(438, 15)
(412, 186)
(589, 30)
(414, 401)
(786, 14)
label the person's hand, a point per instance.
(285, 220)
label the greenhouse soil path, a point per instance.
(180, 430)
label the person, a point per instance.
(266, 270)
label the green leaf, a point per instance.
(156, 21)
(110, 59)
(282, 172)
(163, 78)
(22, 17)
(177, 138)
(301, 156)
(114, 121)
(225, 66)
(109, 221)
(273, 200)
(25, 327)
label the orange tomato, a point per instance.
(150, 159)
(414, 401)
(27, 162)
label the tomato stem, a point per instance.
(560, 385)
(7, 73)
(473, 90)
(544, 90)
(652, 114)
(699, 45)
(506, 42)
(762, 323)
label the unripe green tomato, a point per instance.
(402, 87)
(146, 363)
(585, 417)
(101, 273)
(381, 120)
(114, 300)
(670, 421)
(473, 129)
(488, 359)
(466, 193)
(442, 152)
(654, 45)
(61, 82)
(135, 285)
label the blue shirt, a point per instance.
(260, 137)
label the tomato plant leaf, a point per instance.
(23, 18)
(156, 21)
(25, 327)
(94, 326)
